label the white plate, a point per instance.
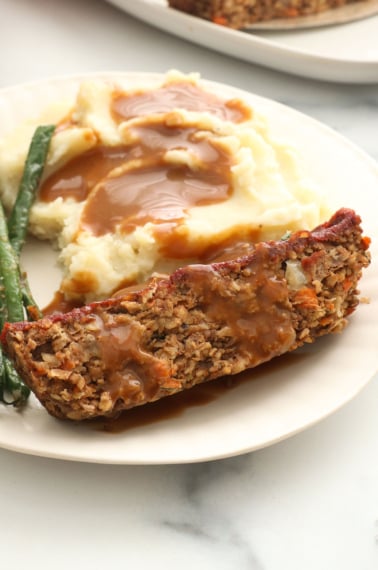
(279, 399)
(342, 53)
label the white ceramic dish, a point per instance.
(340, 53)
(278, 399)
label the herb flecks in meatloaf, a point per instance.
(200, 323)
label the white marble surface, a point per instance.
(308, 503)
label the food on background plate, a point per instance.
(240, 14)
(218, 177)
(202, 322)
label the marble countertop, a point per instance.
(307, 503)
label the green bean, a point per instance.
(34, 165)
(15, 294)
(10, 274)
(3, 305)
(11, 310)
(13, 385)
(19, 217)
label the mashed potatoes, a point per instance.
(145, 180)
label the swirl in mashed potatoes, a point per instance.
(144, 180)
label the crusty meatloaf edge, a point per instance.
(200, 323)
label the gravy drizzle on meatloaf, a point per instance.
(202, 322)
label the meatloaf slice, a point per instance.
(202, 322)
(242, 13)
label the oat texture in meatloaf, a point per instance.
(241, 13)
(202, 322)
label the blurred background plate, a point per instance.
(345, 52)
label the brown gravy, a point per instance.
(59, 304)
(180, 94)
(131, 372)
(157, 194)
(128, 185)
(258, 316)
(77, 178)
(175, 406)
(148, 189)
(171, 406)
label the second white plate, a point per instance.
(340, 53)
